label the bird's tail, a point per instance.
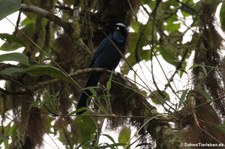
(84, 98)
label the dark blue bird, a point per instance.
(107, 55)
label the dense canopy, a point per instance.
(52, 43)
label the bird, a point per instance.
(107, 55)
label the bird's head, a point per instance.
(121, 28)
(120, 33)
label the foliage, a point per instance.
(124, 136)
(8, 6)
(12, 43)
(44, 82)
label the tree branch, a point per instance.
(39, 11)
(78, 72)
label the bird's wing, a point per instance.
(100, 49)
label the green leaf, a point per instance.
(222, 16)
(111, 146)
(12, 42)
(38, 70)
(82, 109)
(13, 72)
(206, 95)
(146, 1)
(188, 8)
(8, 6)
(194, 66)
(183, 97)
(135, 25)
(110, 138)
(138, 40)
(172, 24)
(86, 130)
(10, 46)
(109, 83)
(145, 54)
(12, 38)
(159, 97)
(18, 57)
(169, 54)
(28, 21)
(92, 89)
(124, 136)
